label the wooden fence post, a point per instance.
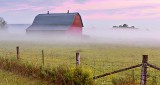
(77, 58)
(17, 49)
(42, 57)
(144, 70)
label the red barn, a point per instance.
(56, 23)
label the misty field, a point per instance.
(99, 58)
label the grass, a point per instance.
(8, 78)
(61, 75)
(100, 58)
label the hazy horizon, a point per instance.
(128, 37)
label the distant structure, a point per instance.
(56, 23)
(125, 26)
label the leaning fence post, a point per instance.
(42, 57)
(144, 70)
(77, 58)
(17, 49)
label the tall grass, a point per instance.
(61, 75)
(9, 78)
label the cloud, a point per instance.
(90, 9)
(33, 5)
(112, 9)
(106, 4)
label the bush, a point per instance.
(72, 76)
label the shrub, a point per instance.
(82, 77)
(66, 75)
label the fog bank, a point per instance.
(141, 37)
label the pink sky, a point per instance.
(89, 9)
(141, 8)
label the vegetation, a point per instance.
(123, 26)
(3, 23)
(62, 75)
(8, 78)
(97, 58)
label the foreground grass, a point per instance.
(61, 75)
(100, 58)
(8, 78)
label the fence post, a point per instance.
(17, 49)
(42, 57)
(144, 70)
(77, 58)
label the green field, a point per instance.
(8, 78)
(98, 57)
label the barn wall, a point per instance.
(76, 27)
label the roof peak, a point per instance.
(59, 13)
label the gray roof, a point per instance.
(48, 27)
(53, 21)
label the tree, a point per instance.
(133, 27)
(120, 26)
(114, 26)
(125, 25)
(3, 23)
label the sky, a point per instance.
(95, 13)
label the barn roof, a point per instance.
(53, 21)
(48, 27)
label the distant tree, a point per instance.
(120, 26)
(114, 26)
(3, 23)
(133, 27)
(125, 25)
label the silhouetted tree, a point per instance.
(120, 26)
(125, 25)
(133, 27)
(114, 26)
(3, 23)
